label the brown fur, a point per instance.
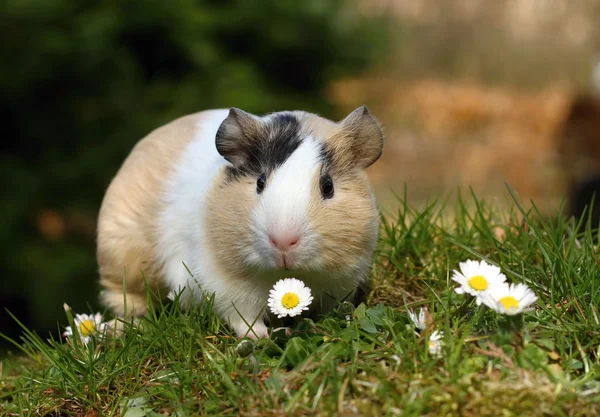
(345, 223)
(353, 212)
(127, 219)
(229, 210)
(355, 142)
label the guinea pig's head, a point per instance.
(296, 195)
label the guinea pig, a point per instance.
(226, 203)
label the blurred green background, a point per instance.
(81, 82)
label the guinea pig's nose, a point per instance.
(285, 241)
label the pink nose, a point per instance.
(283, 242)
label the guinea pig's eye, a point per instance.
(260, 183)
(326, 187)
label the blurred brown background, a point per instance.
(471, 93)
(478, 93)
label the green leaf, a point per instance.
(360, 311)
(576, 364)
(534, 356)
(377, 314)
(296, 351)
(136, 407)
(367, 325)
(547, 343)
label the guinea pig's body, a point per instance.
(226, 202)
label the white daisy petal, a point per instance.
(435, 343)
(469, 267)
(88, 326)
(475, 278)
(419, 320)
(509, 299)
(289, 297)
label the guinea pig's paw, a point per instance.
(258, 330)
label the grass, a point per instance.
(364, 361)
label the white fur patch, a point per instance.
(284, 204)
(181, 231)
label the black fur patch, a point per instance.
(327, 156)
(274, 143)
(328, 160)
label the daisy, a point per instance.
(435, 343)
(509, 299)
(419, 320)
(289, 297)
(477, 277)
(87, 326)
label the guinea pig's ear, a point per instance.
(237, 135)
(366, 136)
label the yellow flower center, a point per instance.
(87, 328)
(478, 283)
(509, 302)
(290, 300)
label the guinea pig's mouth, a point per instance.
(284, 251)
(285, 261)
